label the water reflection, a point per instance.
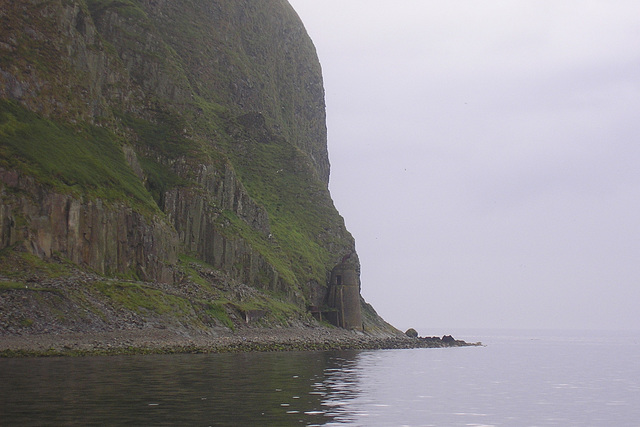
(307, 388)
(340, 386)
(543, 382)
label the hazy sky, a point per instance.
(486, 157)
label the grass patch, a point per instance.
(22, 265)
(27, 323)
(186, 265)
(218, 310)
(81, 159)
(9, 285)
(143, 299)
(125, 8)
(22, 286)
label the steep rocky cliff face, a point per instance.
(163, 140)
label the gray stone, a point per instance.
(411, 333)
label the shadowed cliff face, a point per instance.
(135, 133)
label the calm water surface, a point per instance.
(517, 379)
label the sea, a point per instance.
(517, 378)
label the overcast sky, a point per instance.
(486, 157)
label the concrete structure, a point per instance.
(343, 297)
(338, 301)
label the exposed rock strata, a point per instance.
(111, 239)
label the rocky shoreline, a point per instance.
(81, 313)
(165, 341)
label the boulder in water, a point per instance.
(411, 333)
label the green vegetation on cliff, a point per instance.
(78, 159)
(137, 135)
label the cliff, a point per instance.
(164, 163)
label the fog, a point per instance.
(485, 156)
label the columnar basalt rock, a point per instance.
(110, 239)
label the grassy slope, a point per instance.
(81, 159)
(56, 294)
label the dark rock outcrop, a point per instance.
(411, 333)
(448, 339)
